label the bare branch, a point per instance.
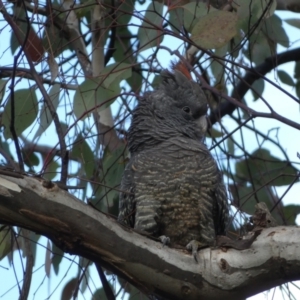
(227, 108)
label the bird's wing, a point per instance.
(127, 196)
(220, 208)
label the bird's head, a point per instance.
(177, 108)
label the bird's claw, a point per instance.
(193, 246)
(165, 240)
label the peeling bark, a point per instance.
(79, 229)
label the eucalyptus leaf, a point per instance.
(193, 12)
(100, 293)
(217, 67)
(285, 78)
(257, 88)
(123, 51)
(293, 22)
(2, 88)
(150, 32)
(265, 169)
(274, 30)
(99, 93)
(85, 9)
(230, 146)
(69, 288)
(214, 133)
(290, 213)
(259, 48)
(45, 117)
(83, 152)
(215, 30)
(112, 170)
(252, 10)
(54, 41)
(298, 89)
(50, 171)
(57, 257)
(115, 72)
(176, 19)
(245, 198)
(25, 111)
(5, 241)
(297, 70)
(30, 158)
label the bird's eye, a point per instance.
(186, 109)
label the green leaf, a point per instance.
(57, 257)
(5, 241)
(274, 30)
(290, 213)
(53, 39)
(115, 72)
(297, 70)
(176, 17)
(252, 10)
(285, 78)
(135, 81)
(215, 30)
(230, 146)
(85, 9)
(244, 198)
(298, 89)
(69, 289)
(100, 92)
(4, 145)
(217, 68)
(51, 170)
(123, 51)
(125, 12)
(19, 13)
(150, 33)
(258, 88)
(259, 48)
(193, 12)
(90, 95)
(214, 133)
(45, 118)
(25, 111)
(112, 170)
(83, 152)
(264, 168)
(30, 158)
(2, 88)
(293, 22)
(100, 294)
(33, 238)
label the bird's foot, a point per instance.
(165, 240)
(193, 246)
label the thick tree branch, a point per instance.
(80, 230)
(227, 108)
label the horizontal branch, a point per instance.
(79, 229)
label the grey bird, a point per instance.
(172, 187)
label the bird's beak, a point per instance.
(202, 124)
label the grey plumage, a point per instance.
(172, 185)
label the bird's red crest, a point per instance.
(180, 66)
